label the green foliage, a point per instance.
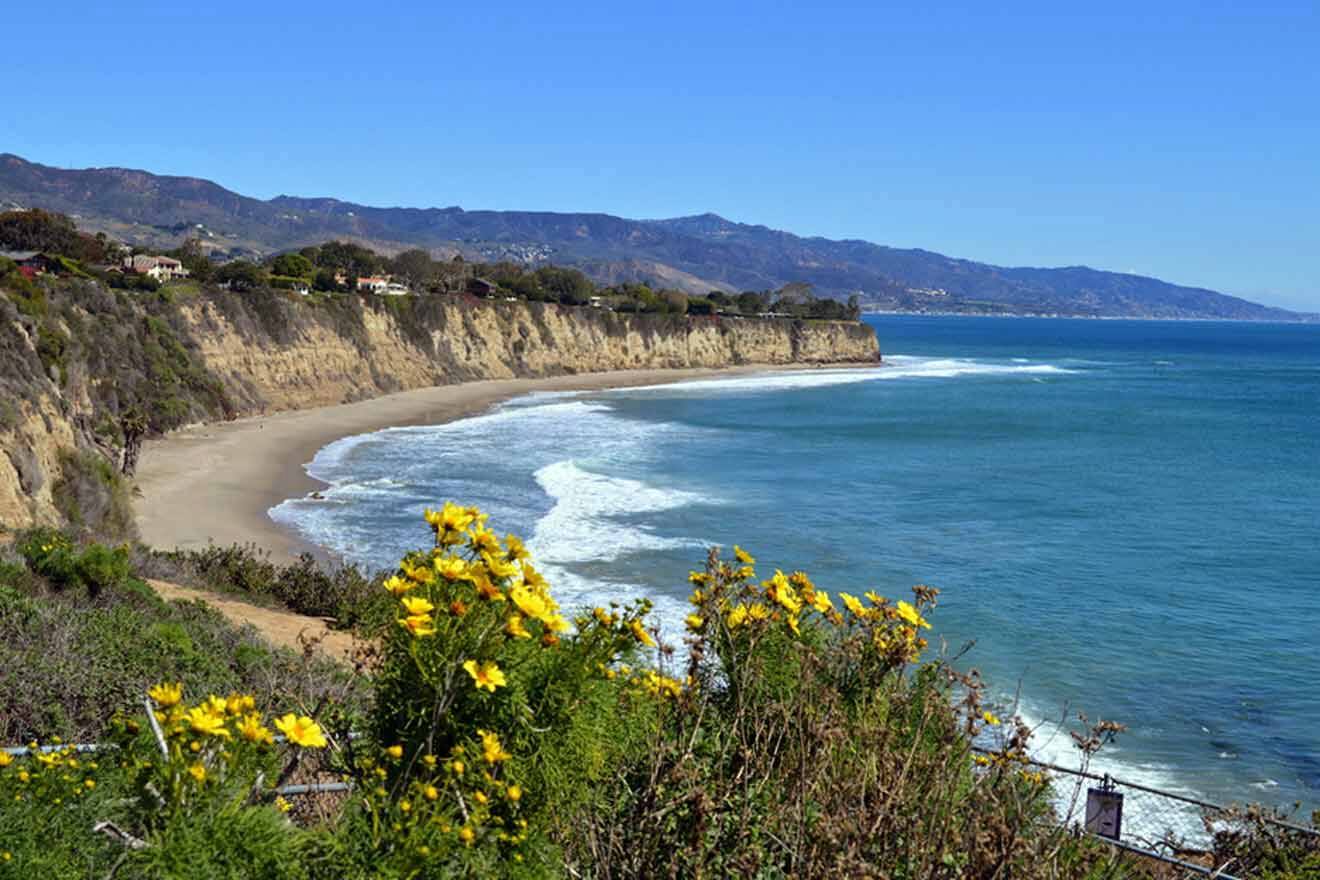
(807, 737)
(38, 230)
(92, 496)
(241, 275)
(292, 266)
(341, 593)
(89, 570)
(84, 640)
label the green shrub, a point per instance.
(93, 497)
(340, 593)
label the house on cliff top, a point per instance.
(160, 268)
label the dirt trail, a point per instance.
(281, 628)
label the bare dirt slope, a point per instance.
(281, 628)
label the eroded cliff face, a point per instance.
(75, 362)
(455, 340)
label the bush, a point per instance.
(805, 736)
(93, 497)
(342, 593)
(92, 570)
(83, 640)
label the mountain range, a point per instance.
(695, 254)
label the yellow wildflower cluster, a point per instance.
(215, 739)
(53, 775)
(446, 803)
(729, 593)
(469, 565)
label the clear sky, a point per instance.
(1177, 139)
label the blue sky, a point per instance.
(1180, 139)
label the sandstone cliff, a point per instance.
(75, 358)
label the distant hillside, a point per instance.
(694, 254)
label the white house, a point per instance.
(160, 268)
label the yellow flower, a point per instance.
(697, 578)
(484, 542)
(486, 675)
(514, 793)
(779, 590)
(640, 634)
(532, 578)
(514, 627)
(990, 718)
(419, 625)
(875, 598)
(743, 556)
(252, 730)
(451, 521)
(466, 835)
(529, 602)
(397, 585)
(480, 797)
(757, 611)
(491, 749)
(695, 622)
(282, 805)
(421, 574)
(555, 623)
(737, 617)
(452, 568)
(486, 588)
(498, 566)
(301, 731)
(394, 751)
(458, 767)
(237, 704)
(5, 759)
(851, 603)
(202, 720)
(218, 705)
(417, 606)
(911, 615)
(820, 600)
(198, 771)
(165, 694)
(516, 548)
(792, 622)
(89, 783)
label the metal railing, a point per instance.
(1167, 826)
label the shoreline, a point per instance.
(215, 482)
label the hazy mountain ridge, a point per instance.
(695, 253)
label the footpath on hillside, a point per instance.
(281, 628)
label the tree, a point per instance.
(241, 275)
(325, 281)
(676, 302)
(292, 266)
(568, 286)
(752, 303)
(194, 259)
(38, 230)
(414, 264)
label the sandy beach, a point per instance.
(216, 482)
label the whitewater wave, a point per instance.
(581, 541)
(894, 367)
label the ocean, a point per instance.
(1122, 515)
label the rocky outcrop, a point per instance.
(219, 355)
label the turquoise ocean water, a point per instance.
(1122, 514)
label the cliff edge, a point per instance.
(82, 367)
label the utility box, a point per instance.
(1104, 812)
